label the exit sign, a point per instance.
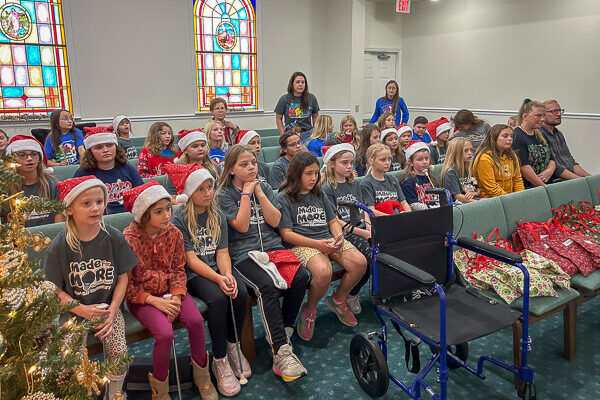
(403, 6)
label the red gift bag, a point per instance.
(561, 241)
(287, 264)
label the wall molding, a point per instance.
(506, 113)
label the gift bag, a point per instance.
(561, 241)
(287, 264)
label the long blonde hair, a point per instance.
(323, 125)
(526, 108)
(222, 144)
(455, 158)
(355, 135)
(372, 152)
(231, 158)
(72, 234)
(206, 162)
(329, 174)
(153, 143)
(409, 170)
(213, 221)
(489, 145)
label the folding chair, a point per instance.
(413, 251)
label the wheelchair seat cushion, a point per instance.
(468, 315)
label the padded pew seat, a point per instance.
(537, 305)
(590, 282)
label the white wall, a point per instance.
(383, 26)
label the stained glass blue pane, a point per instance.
(245, 78)
(49, 74)
(3, 39)
(236, 24)
(199, 75)
(242, 14)
(235, 61)
(33, 55)
(57, 16)
(31, 8)
(223, 7)
(12, 91)
(221, 90)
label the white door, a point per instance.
(379, 69)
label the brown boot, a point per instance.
(203, 382)
(160, 389)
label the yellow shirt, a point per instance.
(491, 182)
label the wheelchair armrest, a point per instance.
(488, 250)
(405, 268)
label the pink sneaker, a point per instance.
(306, 325)
(342, 311)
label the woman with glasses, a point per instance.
(290, 146)
(64, 145)
(36, 179)
(218, 108)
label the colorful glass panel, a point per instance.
(226, 59)
(34, 73)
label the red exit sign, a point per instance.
(403, 6)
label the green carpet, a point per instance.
(330, 374)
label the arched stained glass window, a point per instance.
(226, 60)
(34, 75)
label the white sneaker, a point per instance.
(287, 365)
(234, 362)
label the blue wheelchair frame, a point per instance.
(524, 372)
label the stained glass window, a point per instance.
(226, 59)
(34, 75)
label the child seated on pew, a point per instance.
(89, 262)
(369, 135)
(381, 192)
(159, 247)
(457, 172)
(321, 131)
(64, 144)
(252, 217)
(389, 137)
(385, 121)
(252, 140)
(215, 132)
(208, 269)
(159, 149)
(310, 225)
(122, 128)
(339, 186)
(36, 179)
(348, 132)
(290, 145)
(417, 177)
(107, 161)
(440, 129)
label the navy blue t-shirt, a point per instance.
(414, 190)
(117, 180)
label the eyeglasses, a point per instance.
(295, 144)
(556, 111)
(24, 156)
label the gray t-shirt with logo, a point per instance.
(475, 135)
(240, 244)
(308, 217)
(374, 191)
(289, 106)
(278, 172)
(35, 218)
(205, 248)
(344, 192)
(129, 148)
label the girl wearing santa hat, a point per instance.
(215, 132)
(404, 137)
(252, 140)
(389, 137)
(159, 149)
(36, 179)
(107, 161)
(339, 186)
(369, 135)
(439, 130)
(252, 217)
(208, 268)
(309, 223)
(417, 177)
(122, 128)
(381, 192)
(159, 246)
(89, 262)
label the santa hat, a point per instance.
(245, 136)
(414, 146)
(330, 151)
(26, 142)
(117, 121)
(138, 199)
(386, 132)
(69, 189)
(185, 137)
(438, 126)
(187, 178)
(403, 128)
(98, 135)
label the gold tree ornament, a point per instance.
(39, 396)
(87, 374)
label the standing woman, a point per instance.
(298, 105)
(391, 102)
(218, 108)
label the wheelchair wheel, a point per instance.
(461, 351)
(369, 365)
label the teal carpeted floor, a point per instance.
(330, 374)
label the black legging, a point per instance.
(218, 315)
(364, 247)
(274, 316)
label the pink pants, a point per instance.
(156, 321)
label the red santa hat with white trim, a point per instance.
(413, 147)
(403, 128)
(187, 178)
(138, 199)
(438, 126)
(70, 188)
(185, 137)
(99, 135)
(25, 142)
(244, 136)
(386, 132)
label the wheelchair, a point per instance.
(413, 251)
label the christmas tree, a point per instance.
(39, 359)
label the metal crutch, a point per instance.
(243, 379)
(169, 296)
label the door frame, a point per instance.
(397, 54)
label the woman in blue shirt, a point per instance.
(391, 102)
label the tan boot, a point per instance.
(160, 389)
(203, 382)
(115, 387)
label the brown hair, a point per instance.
(153, 143)
(381, 120)
(283, 140)
(466, 117)
(292, 184)
(145, 218)
(395, 99)
(4, 133)
(305, 98)
(88, 161)
(420, 120)
(44, 178)
(231, 158)
(489, 145)
(409, 171)
(55, 132)
(365, 142)
(215, 101)
(355, 137)
(526, 108)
